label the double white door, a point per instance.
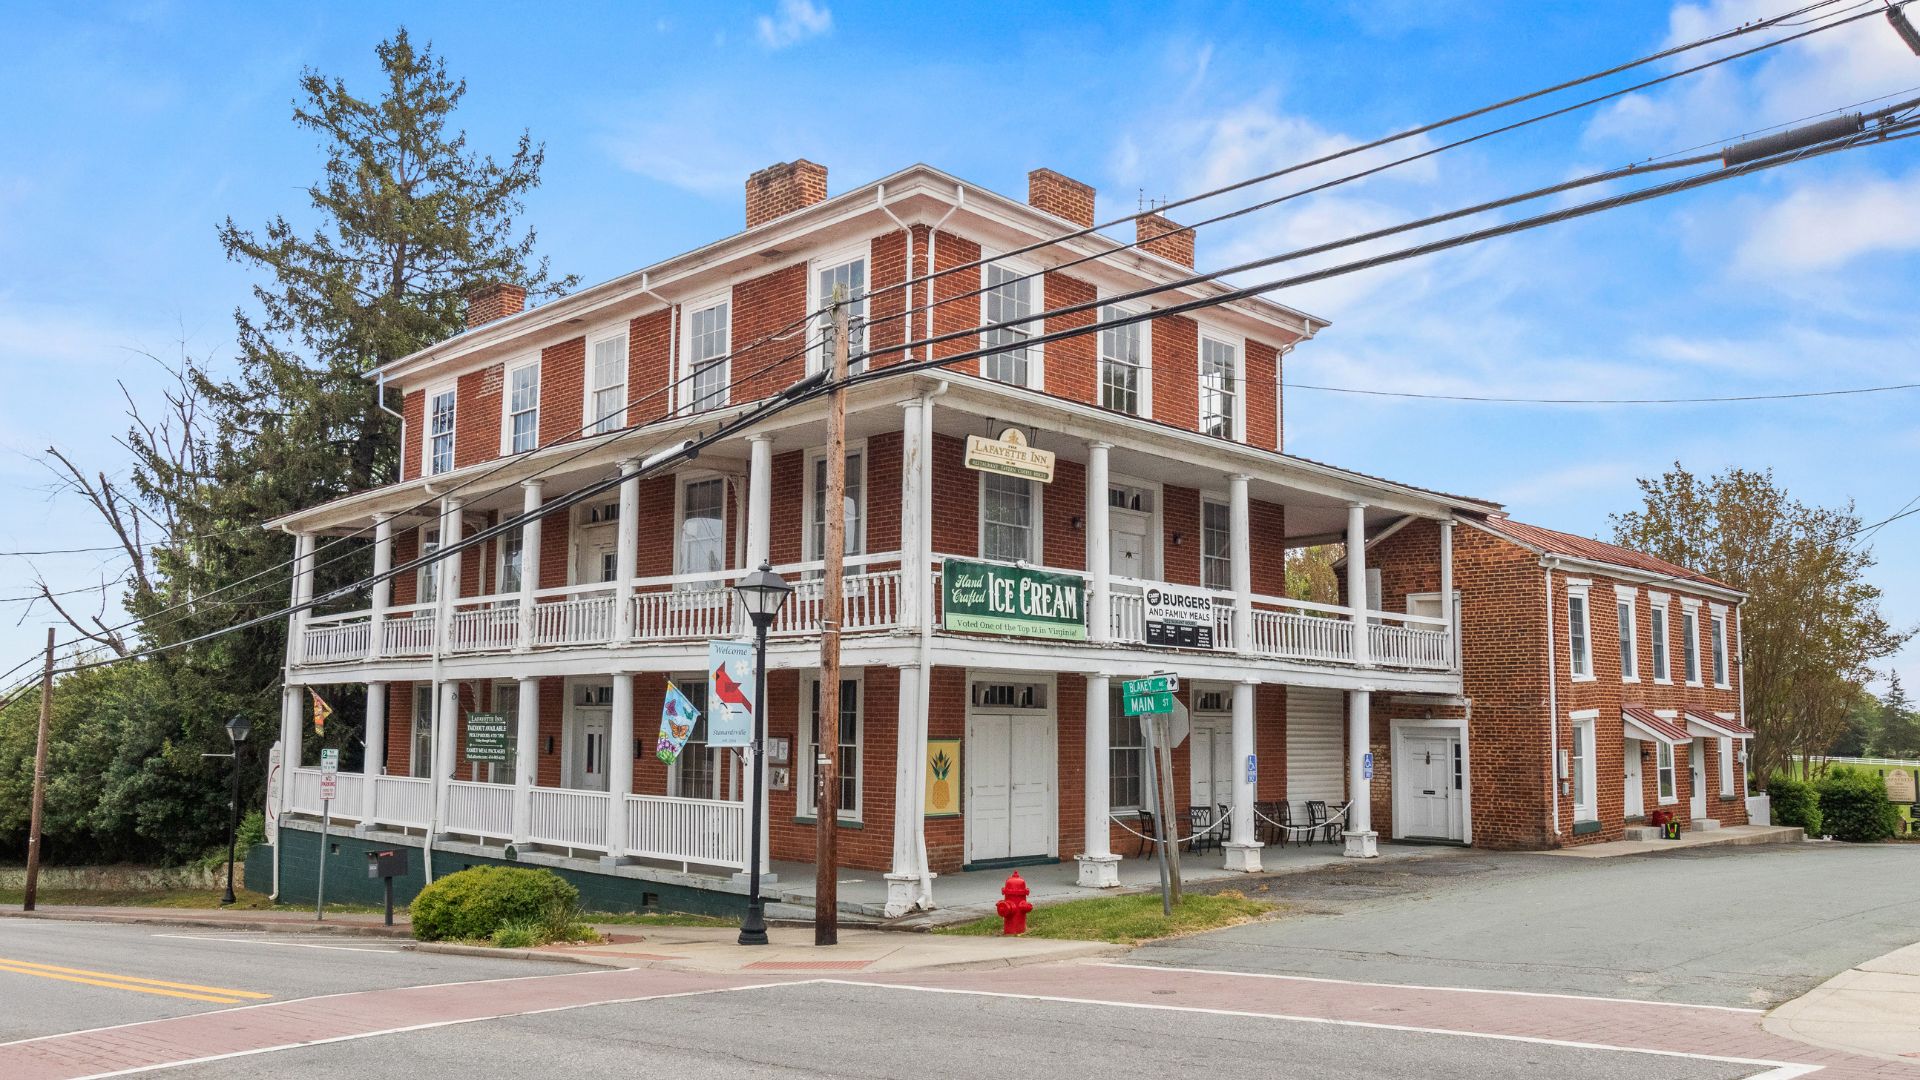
(1212, 759)
(1431, 778)
(1010, 786)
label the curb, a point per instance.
(452, 949)
(262, 925)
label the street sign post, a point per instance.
(1162, 724)
(329, 787)
(1153, 694)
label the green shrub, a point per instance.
(516, 936)
(1795, 802)
(253, 830)
(476, 904)
(1855, 807)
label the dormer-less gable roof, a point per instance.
(1568, 545)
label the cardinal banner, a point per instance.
(321, 710)
(730, 701)
(677, 717)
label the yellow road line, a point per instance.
(190, 991)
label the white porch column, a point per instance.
(1362, 842)
(626, 563)
(530, 500)
(903, 881)
(447, 572)
(1357, 582)
(1243, 851)
(619, 769)
(302, 590)
(759, 500)
(913, 582)
(1099, 866)
(382, 597)
(1240, 524)
(291, 715)
(526, 759)
(446, 732)
(1099, 561)
(376, 751)
(1446, 592)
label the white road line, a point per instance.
(283, 944)
(1443, 989)
(430, 1026)
(1777, 1070)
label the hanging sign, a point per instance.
(1009, 455)
(487, 738)
(730, 691)
(677, 717)
(1179, 617)
(993, 598)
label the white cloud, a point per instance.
(793, 21)
(1824, 224)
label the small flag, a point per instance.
(677, 717)
(321, 710)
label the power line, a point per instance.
(1489, 399)
(63, 551)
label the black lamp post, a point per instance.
(237, 730)
(762, 593)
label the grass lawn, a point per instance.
(655, 918)
(1127, 920)
(167, 898)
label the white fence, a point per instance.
(566, 818)
(699, 831)
(476, 809)
(405, 801)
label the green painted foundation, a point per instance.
(348, 883)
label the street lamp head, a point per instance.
(763, 592)
(238, 728)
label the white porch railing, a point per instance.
(563, 817)
(1301, 630)
(684, 608)
(573, 619)
(332, 639)
(406, 801)
(306, 792)
(407, 631)
(703, 831)
(1419, 641)
(304, 795)
(492, 627)
(870, 599)
(478, 809)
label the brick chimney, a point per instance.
(1160, 236)
(779, 190)
(492, 300)
(1062, 196)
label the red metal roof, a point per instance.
(1666, 731)
(1553, 542)
(1733, 729)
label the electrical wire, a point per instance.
(1487, 399)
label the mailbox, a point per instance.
(387, 864)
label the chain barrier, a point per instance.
(1222, 823)
(1309, 829)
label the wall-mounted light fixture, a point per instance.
(1176, 540)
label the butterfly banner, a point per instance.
(730, 693)
(677, 717)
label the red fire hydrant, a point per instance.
(1013, 906)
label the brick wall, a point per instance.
(1180, 540)
(1062, 196)
(1161, 236)
(413, 410)
(1176, 372)
(886, 266)
(762, 307)
(1269, 560)
(956, 512)
(1072, 365)
(957, 306)
(476, 429)
(562, 390)
(779, 190)
(1263, 395)
(650, 366)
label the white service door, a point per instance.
(1009, 809)
(1697, 765)
(588, 754)
(1127, 546)
(1211, 748)
(1635, 795)
(1425, 768)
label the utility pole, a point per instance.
(39, 779)
(826, 811)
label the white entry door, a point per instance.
(1697, 766)
(1127, 544)
(587, 750)
(1212, 759)
(1634, 801)
(1010, 786)
(1425, 771)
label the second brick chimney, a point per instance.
(1062, 196)
(1160, 236)
(779, 190)
(491, 300)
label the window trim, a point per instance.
(1238, 343)
(681, 481)
(1690, 650)
(1036, 532)
(1206, 500)
(500, 557)
(1139, 748)
(1144, 372)
(1628, 597)
(683, 363)
(1036, 354)
(429, 572)
(862, 251)
(446, 387)
(626, 380)
(1583, 670)
(1719, 647)
(1659, 634)
(1586, 806)
(804, 806)
(507, 372)
(1669, 771)
(819, 454)
(1724, 748)
(413, 737)
(676, 771)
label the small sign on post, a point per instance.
(1366, 765)
(1153, 694)
(329, 787)
(329, 775)
(487, 738)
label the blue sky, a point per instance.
(131, 130)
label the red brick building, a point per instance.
(1601, 687)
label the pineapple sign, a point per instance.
(943, 778)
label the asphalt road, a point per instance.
(864, 1031)
(51, 973)
(1728, 926)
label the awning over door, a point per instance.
(1642, 723)
(1708, 725)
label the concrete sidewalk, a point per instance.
(1732, 835)
(1873, 1008)
(279, 921)
(715, 950)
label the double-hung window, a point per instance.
(1585, 805)
(1629, 638)
(1219, 389)
(693, 775)
(853, 507)
(703, 527)
(523, 408)
(1690, 644)
(1717, 622)
(511, 557)
(420, 753)
(1008, 518)
(1579, 643)
(440, 406)
(1126, 758)
(427, 579)
(851, 277)
(1216, 545)
(1663, 767)
(1120, 363)
(607, 384)
(848, 781)
(1657, 630)
(1008, 297)
(708, 333)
